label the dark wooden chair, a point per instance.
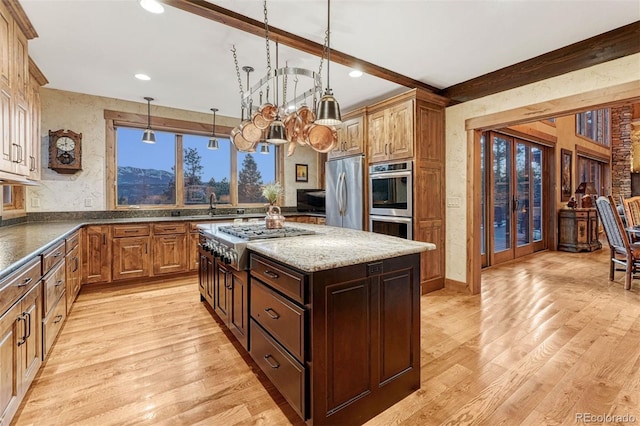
(623, 253)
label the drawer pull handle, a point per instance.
(57, 254)
(271, 274)
(58, 319)
(25, 282)
(269, 311)
(28, 323)
(23, 339)
(266, 358)
(59, 283)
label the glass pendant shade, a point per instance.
(328, 110)
(276, 133)
(213, 143)
(149, 136)
(264, 148)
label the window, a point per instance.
(12, 199)
(178, 170)
(595, 125)
(591, 170)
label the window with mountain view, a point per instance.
(146, 173)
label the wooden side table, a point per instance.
(578, 230)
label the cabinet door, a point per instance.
(6, 126)
(6, 80)
(30, 352)
(170, 254)
(222, 282)
(73, 275)
(350, 138)
(12, 329)
(20, 138)
(378, 145)
(96, 254)
(400, 131)
(35, 150)
(131, 258)
(194, 257)
(238, 304)
(21, 61)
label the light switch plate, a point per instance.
(453, 202)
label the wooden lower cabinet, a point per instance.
(20, 350)
(578, 230)
(131, 257)
(73, 277)
(170, 253)
(301, 323)
(96, 254)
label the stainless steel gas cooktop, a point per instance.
(260, 232)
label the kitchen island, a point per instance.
(332, 319)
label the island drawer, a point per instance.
(280, 317)
(72, 241)
(53, 285)
(283, 279)
(52, 256)
(120, 231)
(287, 374)
(169, 228)
(17, 284)
(52, 324)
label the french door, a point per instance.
(515, 197)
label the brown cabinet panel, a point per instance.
(131, 257)
(348, 317)
(279, 277)
(239, 313)
(53, 286)
(6, 48)
(72, 241)
(52, 325)
(52, 256)
(350, 138)
(400, 131)
(283, 319)
(170, 253)
(16, 285)
(30, 352)
(73, 277)
(377, 143)
(432, 261)
(96, 254)
(283, 370)
(222, 280)
(118, 231)
(11, 333)
(169, 228)
(194, 258)
(428, 190)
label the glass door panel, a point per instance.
(522, 197)
(536, 171)
(502, 194)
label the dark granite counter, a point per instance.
(20, 243)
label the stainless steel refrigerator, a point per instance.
(345, 196)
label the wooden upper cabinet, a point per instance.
(400, 131)
(350, 138)
(21, 58)
(391, 135)
(6, 38)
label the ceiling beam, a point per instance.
(605, 47)
(235, 20)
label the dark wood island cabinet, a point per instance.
(341, 345)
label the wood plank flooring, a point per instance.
(548, 338)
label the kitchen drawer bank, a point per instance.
(334, 320)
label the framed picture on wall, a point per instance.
(302, 173)
(566, 174)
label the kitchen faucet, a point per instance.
(212, 204)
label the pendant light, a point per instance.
(264, 148)
(328, 110)
(148, 136)
(213, 141)
(277, 134)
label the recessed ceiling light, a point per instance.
(152, 6)
(143, 77)
(355, 74)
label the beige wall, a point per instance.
(84, 114)
(623, 70)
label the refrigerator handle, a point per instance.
(339, 192)
(344, 193)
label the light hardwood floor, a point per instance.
(548, 338)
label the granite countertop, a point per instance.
(333, 247)
(20, 243)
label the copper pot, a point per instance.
(274, 218)
(321, 138)
(268, 112)
(307, 117)
(293, 126)
(240, 142)
(259, 121)
(250, 132)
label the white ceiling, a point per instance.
(96, 46)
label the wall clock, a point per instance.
(65, 151)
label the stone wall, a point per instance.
(621, 151)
